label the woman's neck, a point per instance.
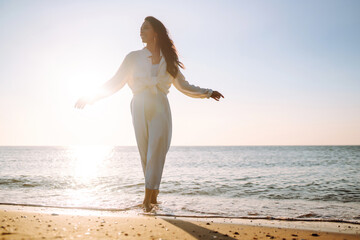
(155, 50)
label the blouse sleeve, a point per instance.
(115, 83)
(190, 90)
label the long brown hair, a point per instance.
(167, 46)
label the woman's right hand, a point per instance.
(82, 102)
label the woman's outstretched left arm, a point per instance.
(194, 91)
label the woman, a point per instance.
(149, 72)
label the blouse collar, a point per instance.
(148, 53)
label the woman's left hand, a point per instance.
(216, 95)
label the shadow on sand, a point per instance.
(197, 231)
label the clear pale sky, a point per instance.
(289, 71)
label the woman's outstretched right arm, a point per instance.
(110, 87)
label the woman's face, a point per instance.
(147, 32)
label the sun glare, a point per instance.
(81, 88)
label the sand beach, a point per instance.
(22, 222)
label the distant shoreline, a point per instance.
(285, 145)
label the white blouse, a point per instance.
(136, 71)
(154, 69)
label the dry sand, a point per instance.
(46, 223)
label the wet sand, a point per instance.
(43, 223)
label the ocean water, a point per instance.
(298, 182)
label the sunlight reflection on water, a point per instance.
(86, 160)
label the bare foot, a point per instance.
(147, 207)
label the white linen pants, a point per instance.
(151, 117)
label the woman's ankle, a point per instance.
(154, 196)
(146, 201)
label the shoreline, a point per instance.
(31, 222)
(123, 210)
